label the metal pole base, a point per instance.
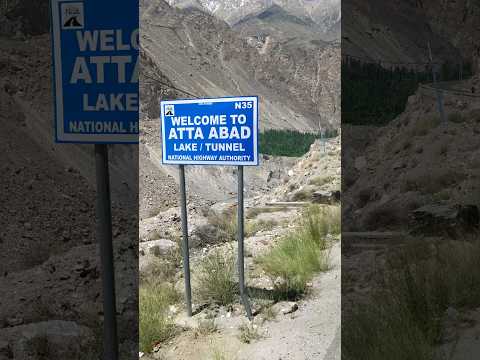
(185, 249)
(104, 238)
(241, 266)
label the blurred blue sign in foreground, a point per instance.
(219, 131)
(95, 60)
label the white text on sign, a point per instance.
(92, 69)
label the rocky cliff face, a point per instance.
(414, 161)
(308, 66)
(399, 31)
(459, 22)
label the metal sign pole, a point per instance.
(322, 136)
(104, 237)
(185, 249)
(241, 266)
(437, 88)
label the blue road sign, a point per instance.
(220, 131)
(95, 58)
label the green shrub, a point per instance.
(303, 195)
(254, 226)
(319, 221)
(403, 317)
(227, 230)
(301, 254)
(206, 327)
(287, 142)
(219, 354)
(155, 325)
(248, 333)
(226, 223)
(215, 278)
(383, 329)
(295, 260)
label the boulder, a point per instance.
(47, 340)
(285, 307)
(159, 247)
(436, 218)
(325, 197)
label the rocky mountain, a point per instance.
(298, 81)
(458, 21)
(415, 163)
(325, 13)
(398, 31)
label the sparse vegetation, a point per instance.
(218, 354)
(226, 223)
(321, 180)
(155, 325)
(269, 313)
(303, 194)
(254, 226)
(443, 195)
(432, 181)
(215, 278)
(153, 235)
(405, 316)
(158, 268)
(248, 333)
(254, 212)
(320, 221)
(288, 142)
(226, 229)
(456, 117)
(206, 327)
(301, 253)
(423, 126)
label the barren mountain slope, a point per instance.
(308, 64)
(414, 161)
(325, 13)
(458, 21)
(202, 55)
(399, 31)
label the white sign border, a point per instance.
(60, 135)
(212, 100)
